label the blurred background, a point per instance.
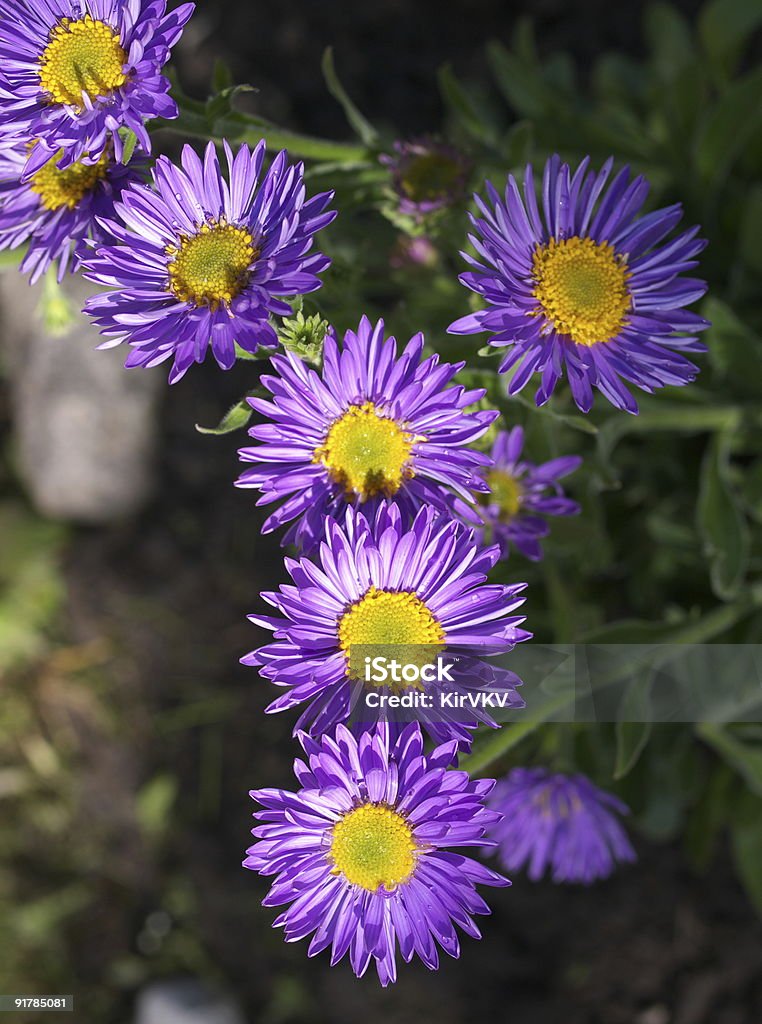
(129, 734)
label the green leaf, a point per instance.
(634, 724)
(696, 630)
(751, 489)
(733, 347)
(521, 84)
(659, 416)
(360, 125)
(128, 147)
(463, 107)
(721, 522)
(235, 418)
(517, 144)
(222, 76)
(669, 39)
(747, 847)
(708, 817)
(728, 126)
(751, 229)
(744, 757)
(725, 26)
(154, 802)
(58, 314)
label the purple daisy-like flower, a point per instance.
(522, 494)
(377, 426)
(585, 285)
(361, 851)
(427, 175)
(561, 822)
(418, 595)
(73, 72)
(57, 212)
(201, 261)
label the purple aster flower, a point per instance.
(377, 426)
(522, 494)
(563, 822)
(73, 72)
(200, 261)
(586, 285)
(427, 175)
(361, 851)
(418, 595)
(57, 211)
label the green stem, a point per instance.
(242, 128)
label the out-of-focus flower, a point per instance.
(559, 822)
(427, 175)
(522, 494)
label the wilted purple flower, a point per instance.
(56, 212)
(376, 426)
(73, 72)
(522, 494)
(560, 822)
(361, 850)
(202, 262)
(427, 175)
(381, 588)
(587, 285)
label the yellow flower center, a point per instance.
(429, 177)
(365, 453)
(58, 188)
(82, 56)
(373, 846)
(581, 286)
(211, 266)
(384, 619)
(506, 493)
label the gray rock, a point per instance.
(184, 1001)
(85, 428)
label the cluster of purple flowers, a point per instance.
(372, 462)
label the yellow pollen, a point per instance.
(506, 493)
(373, 846)
(211, 266)
(58, 188)
(365, 453)
(581, 286)
(82, 56)
(383, 619)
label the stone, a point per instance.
(184, 1001)
(85, 428)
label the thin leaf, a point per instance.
(745, 758)
(634, 723)
(463, 107)
(235, 418)
(360, 124)
(725, 26)
(721, 522)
